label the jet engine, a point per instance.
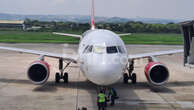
(156, 73)
(38, 72)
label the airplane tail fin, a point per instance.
(92, 16)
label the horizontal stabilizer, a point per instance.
(125, 34)
(66, 34)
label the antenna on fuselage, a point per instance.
(92, 16)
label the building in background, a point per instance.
(12, 24)
(187, 29)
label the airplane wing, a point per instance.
(68, 57)
(79, 36)
(159, 53)
(125, 34)
(66, 34)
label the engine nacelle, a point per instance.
(156, 73)
(39, 72)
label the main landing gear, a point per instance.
(132, 76)
(62, 75)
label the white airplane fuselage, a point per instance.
(103, 56)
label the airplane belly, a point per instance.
(103, 79)
(103, 75)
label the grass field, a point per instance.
(48, 37)
(140, 38)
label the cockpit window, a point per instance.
(111, 50)
(103, 49)
(85, 49)
(121, 49)
(99, 49)
(88, 49)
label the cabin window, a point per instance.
(111, 49)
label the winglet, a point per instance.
(125, 34)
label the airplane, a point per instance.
(103, 59)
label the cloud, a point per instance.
(120, 8)
(59, 1)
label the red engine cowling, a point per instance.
(39, 72)
(156, 73)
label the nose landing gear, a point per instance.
(132, 76)
(125, 78)
(63, 75)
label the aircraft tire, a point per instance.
(134, 78)
(65, 77)
(125, 78)
(57, 78)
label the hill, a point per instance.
(84, 18)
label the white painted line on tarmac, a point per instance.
(183, 104)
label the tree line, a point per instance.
(129, 27)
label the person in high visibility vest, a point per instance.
(101, 101)
(112, 95)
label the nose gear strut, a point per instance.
(62, 75)
(130, 75)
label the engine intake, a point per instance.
(38, 72)
(156, 73)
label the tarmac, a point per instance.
(18, 93)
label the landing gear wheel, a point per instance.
(57, 77)
(65, 77)
(125, 78)
(133, 78)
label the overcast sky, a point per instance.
(173, 9)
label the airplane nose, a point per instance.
(104, 74)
